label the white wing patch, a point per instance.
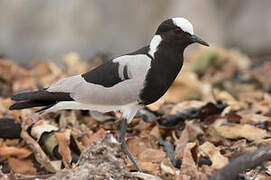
(184, 24)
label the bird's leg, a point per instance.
(123, 128)
(121, 139)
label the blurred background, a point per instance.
(31, 29)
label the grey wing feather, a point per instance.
(124, 92)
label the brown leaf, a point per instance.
(21, 153)
(99, 134)
(189, 169)
(137, 145)
(251, 118)
(227, 98)
(148, 167)
(186, 136)
(167, 167)
(235, 131)
(144, 176)
(218, 160)
(151, 155)
(12, 142)
(155, 132)
(85, 140)
(22, 166)
(64, 142)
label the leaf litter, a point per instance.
(216, 117)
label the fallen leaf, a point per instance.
(99, 134)
(151, 155)
(189, 169)
(22, 166)
(218, 160)
(57, 164)
(235, 131)
(227, 98)
(84, 140)
(145, 176)
(251, 118)
(12, 142)
(186, 136)
(41, 127)
(188, 90)
(68, 118)
(147, 167)
(20, 153)
(155, 132)
(137, 145)
(167, 167)
(63, 139)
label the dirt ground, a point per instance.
(213, 123)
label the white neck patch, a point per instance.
(154, 44)
(184, 24)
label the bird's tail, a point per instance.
(40, 98)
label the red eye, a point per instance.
(177, 30)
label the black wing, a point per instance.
(108, 74)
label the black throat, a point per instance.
(165, 66)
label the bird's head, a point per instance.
(178, 32)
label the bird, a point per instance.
(125, 84)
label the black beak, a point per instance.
(196, 39)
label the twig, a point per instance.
(246, 161)
(169, 149)
(177, 120)
(39, 154)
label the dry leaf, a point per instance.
(57, 164)
(137, 145)
(20, 153)
(167, 167)
(250, 118)
(155, 132)
(11, 142)
(41, 127)
(144, 176)
(188, 90)
(147, 167)
(225, 97)
(186, 136)
(63, 148)
(218, 160)
(99, 134)
(235, 131)
(22, 166)
(151, 155)
(189, 169)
